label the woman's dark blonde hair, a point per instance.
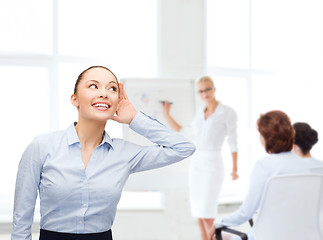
(206, 79)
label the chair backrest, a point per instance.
(290, 208)
(319, 170)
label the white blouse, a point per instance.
(313, 162)
(209, 134)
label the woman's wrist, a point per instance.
(132, 116)
(234, 174)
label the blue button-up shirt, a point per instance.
(78, 200)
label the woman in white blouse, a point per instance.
(80, 172)
(305, 138)
(211, 125)
(277, 136)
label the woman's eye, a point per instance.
(112, 89)
(92, 86)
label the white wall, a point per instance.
(182, 38)
(181, 55)
(172, 223)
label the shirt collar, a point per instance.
(72, 136)
(220, 107)
(107, 139)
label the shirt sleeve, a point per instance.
(27, 182)
(170, 146)
(231, 121)
(258, 180)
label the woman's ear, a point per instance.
(74, 101)
(262, 140)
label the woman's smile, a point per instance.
(102, 106)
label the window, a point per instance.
(44, 45)
(25, 107)
(228, 33)
(26, 27)
(274, 50)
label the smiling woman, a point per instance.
(96, 88)
(41, 57)
(80, 172)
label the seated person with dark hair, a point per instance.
(305, 138)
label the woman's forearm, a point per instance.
(174, 125)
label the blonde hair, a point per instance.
(206, 79)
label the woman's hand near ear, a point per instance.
(125, 110)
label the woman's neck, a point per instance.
(299, 153)
(212, 105)
(90, 133)
(307, 155)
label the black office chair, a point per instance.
(243, 236)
